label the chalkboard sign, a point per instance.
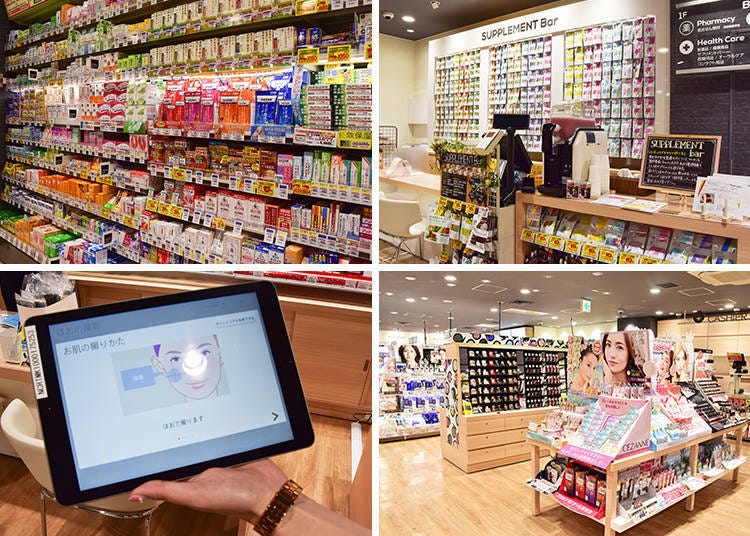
(459, 171)
(453, 187)
(673, 163)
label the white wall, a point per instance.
(397, 71)
(589, 331)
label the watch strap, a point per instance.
(278, 508)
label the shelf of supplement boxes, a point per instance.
(54, 137)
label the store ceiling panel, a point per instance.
(557, 294)
(450, 15)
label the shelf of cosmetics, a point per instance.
(504, 379)
(642, 490)
(612, 241)
(675, 413)
(410, 401)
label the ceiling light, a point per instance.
(410, 300)
(736, 309)
(394, 313)
(662, 50)
(410, 278)
(447, 301)
(655, 291)
(450, 278)
(408, 18)
(595, 291)
(729, 306)
(485, 281)
(389, 293)
(659, 313)
(554, 318)
(424, 298)
(695, 311)
(535, 290)
(596, 274)
(574, 323)
(493, 310)
(547, 276)
(410, 30)
(606, 293)
(436, 325)
(525, 291)
(450, 284)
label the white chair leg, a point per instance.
(43, 510)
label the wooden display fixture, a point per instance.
(682, 219)
(486, 440)
(612, 523)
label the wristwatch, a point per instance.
(278, 507)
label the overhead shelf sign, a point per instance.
(711, 36)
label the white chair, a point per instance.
(19, 425)
(402, 220)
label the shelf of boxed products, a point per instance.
(145, 36)
(26, 248)
(550, 228)
(410, 403)
(80, 148)
(360, 282)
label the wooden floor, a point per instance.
(421, 494)
(387, 251)
(324, 470)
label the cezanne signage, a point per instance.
(712, 35)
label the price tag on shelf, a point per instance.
(649, 260)
(628, 258)
(368, 51)
(339, 54)
(177, 174)
(527, 235)
(541, 239)
(308, 56)
(249, 186)
(199, 176)
(220, 223)
(237, 229)
(215, 180)
(590, 251)
(167, 171)
(557, 243)
(283, 192)
(281, 237)
(129, 221)
(185, 213)
(269, 236)
(188, 175)
(208, 220)
(233, 183)
(608, 255)
(573, 246)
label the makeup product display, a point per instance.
(541, 379)
(246, 148)
(493, 381)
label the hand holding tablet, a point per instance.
(164, 388)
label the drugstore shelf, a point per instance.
(322, 19)
(80, 148)
(678, 217)
(35, 254)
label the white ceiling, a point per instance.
(555, 293)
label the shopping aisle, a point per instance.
(421, 494)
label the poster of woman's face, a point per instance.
(627, 356)
(662, 352)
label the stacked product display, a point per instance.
(612, 68)
(560, 236)
(521, 83)
(457, 90)
(638, 446)
(410, 403)
(221, 147)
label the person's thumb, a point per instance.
(161, 490)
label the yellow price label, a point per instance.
(308, 56)
(628, 258)
(590, 251)
(541, 239)
(129, 221)
(267, 188)
(649, 260)
(152, 205)
(355, 139)
(557, 243)
(572, 246)
(219, 224)
(163, 208)
(527, 235)
(368, 51)
(177, 174)
(608, 255)
(175, 211)
(301, 188)
(339, 53)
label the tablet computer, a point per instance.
(164, 387)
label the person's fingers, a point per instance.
(163, 490)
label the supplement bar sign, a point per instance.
(673, 163)
(712, 35)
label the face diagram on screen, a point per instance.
(168, 373)
(192, 366)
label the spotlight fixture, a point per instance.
(435, 4)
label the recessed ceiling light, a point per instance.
(554, 318)
(659, 313)
(410, 30)
(525, 291)
(394, 313)
(410, 300)
(606, 293)
(389, 293)
(485, 281)
(662, 50)
(450, 278)
(729, 306)
(424, 298)
(736, 309)
(547, 276)
(534, 290)
(655, 291)
(436, 325)
(447, 301)
(450, 284)
(410, 278)
(695, 311)
(493, 310)
(408, 18)
(595, 291)
(596, 274)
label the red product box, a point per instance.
(285, 219)
(272, 215)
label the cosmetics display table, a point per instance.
(616, 524)
(674, 216)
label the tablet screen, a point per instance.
(154, 389)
